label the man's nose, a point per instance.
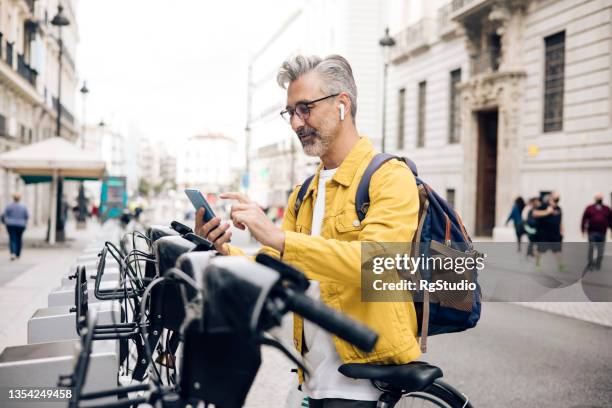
(296, 122)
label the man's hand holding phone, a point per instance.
(245, 214)
(213, 231)
(207, 225)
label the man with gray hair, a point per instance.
(321, 234)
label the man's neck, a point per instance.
(340, 148)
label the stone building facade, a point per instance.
(28, 88)
(496, 98)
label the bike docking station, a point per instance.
(159, 318)
(53, 340)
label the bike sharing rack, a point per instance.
(41, 364)
(54, 338)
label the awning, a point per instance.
(49, 160)
(51, 155)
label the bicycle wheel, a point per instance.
(439, 395)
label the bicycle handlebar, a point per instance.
(331, 320)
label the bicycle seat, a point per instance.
(411, 377)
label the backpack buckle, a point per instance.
(364, 208)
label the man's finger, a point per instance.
(217, 232)
(235, 196)
(241, 207)
(225, 238)
(199, 219)
(221, 243)
(209, 226)
(240, 220)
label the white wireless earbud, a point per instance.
(341, 111)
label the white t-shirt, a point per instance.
(325, 381)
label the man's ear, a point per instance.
(344, 99)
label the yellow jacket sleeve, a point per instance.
(392, 217)
(287, 225)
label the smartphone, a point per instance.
(198, 201)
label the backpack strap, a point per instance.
(362, 197)
(301, 194)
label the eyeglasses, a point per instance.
(302, 109)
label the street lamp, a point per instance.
(386, 42)
(82, 200)
(59, 20)
(84, 91)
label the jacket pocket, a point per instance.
(347, 221)
(302, 229)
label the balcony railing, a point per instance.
(411, 39)
(65, 112)
(25, 70)
(9, 54)
(445, 24)
(3, 128)
(486, 61)
(459, 4)
(30, 4)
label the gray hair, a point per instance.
(334, 70)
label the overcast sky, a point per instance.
(174, 68)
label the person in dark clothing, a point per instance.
(517, 219)
(530, 224)
(596, 220)
(15, 217)
(550, 229)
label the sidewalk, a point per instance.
(510, 277)
(593, 312)
(26, 282)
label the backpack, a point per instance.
(440, 232)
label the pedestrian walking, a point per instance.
(517, 219)
(530, 224)
(550, 229)
(596, 220)
(15, 218)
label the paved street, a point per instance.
(26, 283)
(516, 357)
(536, 354)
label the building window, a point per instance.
(3, 130)
(554, 81)
(421, 114)
(450, 197)
(454, 109)
(401, 109)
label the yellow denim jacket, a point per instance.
(334, 258)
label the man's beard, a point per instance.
(313, 142)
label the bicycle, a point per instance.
(235, 303)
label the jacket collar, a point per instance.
(350, 164)
(346, 172)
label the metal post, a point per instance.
(384, 108)
(53, 213)
(59, 86)
(59, 224)
(82, 201)
(247, 128)
(386, 42)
